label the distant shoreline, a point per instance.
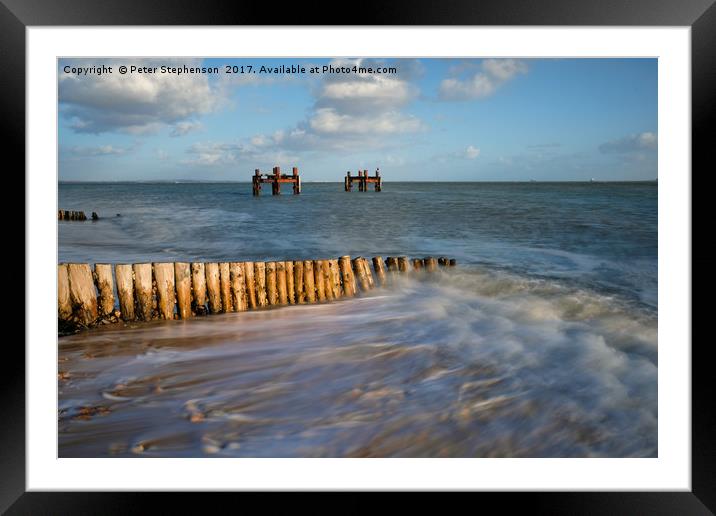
(199, 182)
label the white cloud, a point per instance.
(186, 127)
(98, 150)
(493, 74)
(647, 141)
(472, 152)
(134, 103)
(351, 112)
(330, 120)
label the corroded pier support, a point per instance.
(275, 179)
(363, 179)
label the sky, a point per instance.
(418, 120)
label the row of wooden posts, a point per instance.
(146, 291)
(74, 215)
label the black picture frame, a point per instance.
(700, 15)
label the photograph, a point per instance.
(357, 257)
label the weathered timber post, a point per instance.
(250, 285)
(238, 287)
(443, 261)
(276, 182)
(290, 288)
(392, 263)
(379, 181)
(143, 290)
(328, 280)
(213, 287)
(260, 277)
(198, 282)
(349, 280)
(225, 286)
(105, 287)
(379, 268)
(182, 280)
(430, 264)
(359, 272)
(452, 262)
(403, 265)
(318, 280)
(82, 292)
(281, 283)
(335, 278)
(417, 264)
(64, 304)
(366, 270)
(125, 290)
(271, 290)
(298, 282)
(256, 182)
(164, 276)
(296, 182)
(308, 282)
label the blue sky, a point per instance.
(434, 119)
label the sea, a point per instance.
(541, 342)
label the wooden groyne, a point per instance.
(74, 215)
(275, 180)
(363, 180)
(88, 296)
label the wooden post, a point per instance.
(349, 280)
(260, 278)
(64, 304)
(125, 290)
(143, 290)
(225, 286)
(392, 263)
(271, 289)
(164, 276)
(255, 182)
(105, 287)
(82, 292)
(430, 264)
(403, 265)
(318, 280)
(309, 286)
(213, 287)
(198, 282)
(379, 268)
(281, 283)
(290, 279)
(182, 279)
(417, 264)
(296, 184)
(335, 279)
(442, 261)
(452, 262)
(238, 287)
(359, 272)
(250, 285)
(298, 282)
(368, 274)
(328, 280)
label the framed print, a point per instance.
(425, 255)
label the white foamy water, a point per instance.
(470, 362)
